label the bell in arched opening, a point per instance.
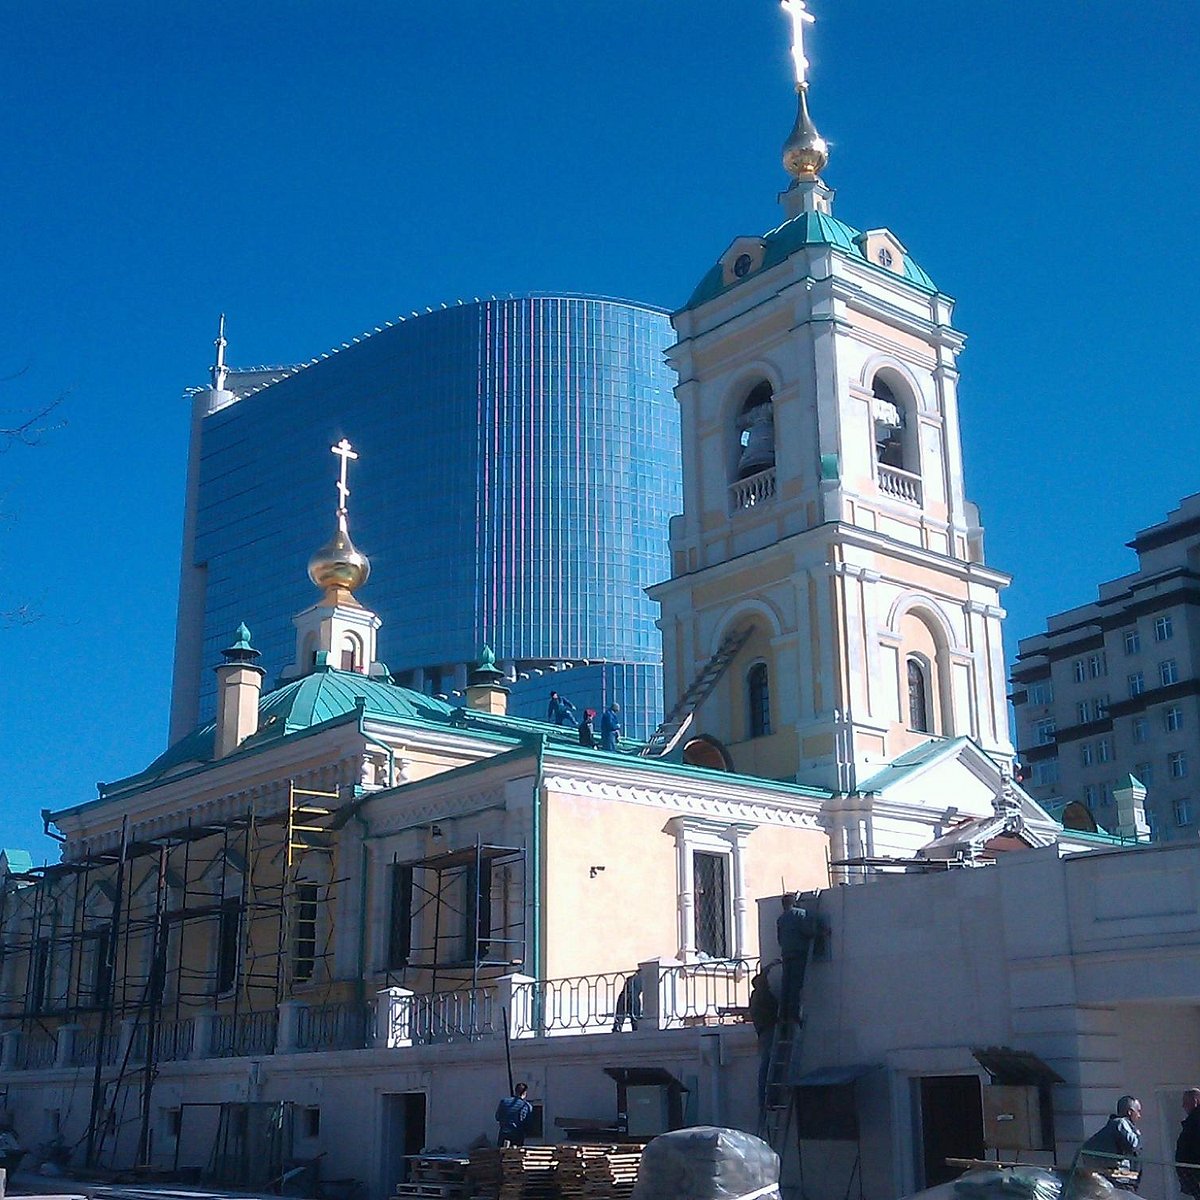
(756, 432)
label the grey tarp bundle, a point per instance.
(707, 1163)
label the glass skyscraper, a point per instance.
(519, 463)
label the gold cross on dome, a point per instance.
(345, 452)
(797, 10)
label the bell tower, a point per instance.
(823, 499)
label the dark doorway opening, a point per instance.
(403, 1136)
(951, 1124)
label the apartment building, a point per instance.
(1112, 688)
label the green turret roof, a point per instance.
(315, 699)
(805, 229)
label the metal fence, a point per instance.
(707, 993)
(347, 1026)
(88, 1046)
(174, 1040)
(240, 1034)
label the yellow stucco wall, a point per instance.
(629, 911)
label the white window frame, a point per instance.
(1141, 730)
(1164, 628)
(1097, 665)
(1137, 684)
(1168, 672)
(1133, 641)
(1173, 718)
(1079, 670)
(1085, 754)
(1177, 765)
(1182, 811)
(1104, 750)
(1044, 730)
(692, 834)
(1083, 712)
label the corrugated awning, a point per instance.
(1015, 1067)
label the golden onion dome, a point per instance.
(805, 152)
(338, 565)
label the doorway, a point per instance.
(951, 1125)
(402, 1128)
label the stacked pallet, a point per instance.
(512, 1173)
(596, 1172)
(435, 1177)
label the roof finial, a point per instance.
(797, 10)
(219, 370)
(805, 152)
(338, 565)
(345, 452)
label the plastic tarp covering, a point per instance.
(707, 1163)
(1024, 1183)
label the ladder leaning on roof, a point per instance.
(666, 737)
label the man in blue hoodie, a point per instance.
(610, 727)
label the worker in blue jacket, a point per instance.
(610, 727)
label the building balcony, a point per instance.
(752, 491)
(655, 996)
(900, 485)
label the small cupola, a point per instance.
(239, 686)
(485, 686)
(337, 632)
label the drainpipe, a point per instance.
(537, 951)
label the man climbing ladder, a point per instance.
(797, 929)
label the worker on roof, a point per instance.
(560, 711)
(610, 727)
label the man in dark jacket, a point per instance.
(512, 1114)
(764, 1012)
(1111, 1148)
(795, 928)
(610, 727)
(1187, 1148)
(560, 711)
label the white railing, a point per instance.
(333, 1027)
(705, 993)
(747, 493)
(900, 485)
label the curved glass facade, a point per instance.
(520, 462)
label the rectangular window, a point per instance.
(1044, 731)
(39, 975)
(1041, 692)
(1177, 764)
(1164, 629)
(1183, 812)
(1097, 665)
(1045, 773)
(477, 910)
(1085, 754)
(310, 1122)
(1168, 672)
(1137, 684)
(95, 978)
(1141, 729)
(1143, 772)
(229, 929)
(1100, 707)
(1079, 670)
(1173, 718)
(400, 917)
(1133, 641)
(1104, 750)
(1083, 712)
(173, 1122)
(1091, 795)
(305, 960)
(711, 904)
(1105, 792)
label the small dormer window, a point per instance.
(743, 265)
(885, 257)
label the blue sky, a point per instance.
(313, 169)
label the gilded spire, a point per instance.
(338, 567)
(805, 152)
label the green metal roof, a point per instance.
(805, 229)
(18, 861)
(315, 699)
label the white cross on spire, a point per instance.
(797, 10)
(345, 452)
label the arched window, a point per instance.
(890, 420)
(351, 653)
(918, 696)
(758, 696)
(705, 751)
(756, 432)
